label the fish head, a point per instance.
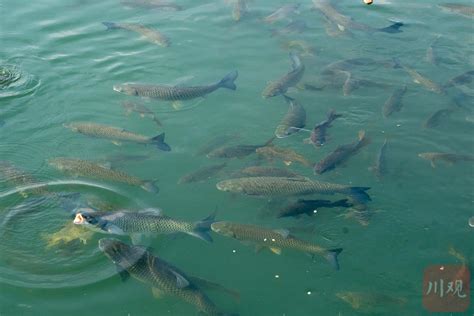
(126, 89)
(223, 228)
(283, 131)
(121, 253)
(271, 90)
(230, 186)
(319, 168)
(217, 153)
(86, 216)
(426, 156)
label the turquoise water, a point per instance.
(64, 63)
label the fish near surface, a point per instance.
(319, 133)
(66, 235)
(435, 119)
(150, 34)
(291, 79)
(117, 134)
(140, 109)
(202, 174)
(282, 13)
(450, 158)
(237, 151)
(176, 93)
(239, 9)
(458, 8)
(293, 121)
(420, 79)
(310, 207)
(153, 4)
(148, 221)
(275, 240)
(379, 168)
(19, 178)
(394, 102)
(341, 154)
(92, 170)
(461, 79)
(165, 279)
(286, 154)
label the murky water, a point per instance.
(59, 64)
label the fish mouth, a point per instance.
(220, 186)
(79, 219)
(117, 88)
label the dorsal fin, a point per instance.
(283, 232)
(181, 281)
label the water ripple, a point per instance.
(16, 82)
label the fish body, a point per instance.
(287, 155)
(435, 119)
(237, 151)
(450, 158)
(368, 302)
(457, 8)
(150, 34)
(302, 47)
(347, 64)
(66, 235)
(379, 168)
(153, 4)
(202, 174)
(310, 207)
(319, 132)
(394, 102)
(463, 78)
(281, 186)
(140, 109)
(293, 27)
(216, 142)
(431, 55)
(239, 9)
(19, 178)
(282, 13)
(420, 79)
(289, 80)
(176, 93)
(257, 171)
(341, 154)
(293, 121)
(165, 279)
(89, 169)
(117, 134)
(275, 240)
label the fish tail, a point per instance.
(342, 203)
(358, 194)
(159, 141)
(202, 228)
(228, 80)
(295, 60)
(111, 25)
(151, 186)
(331, 257)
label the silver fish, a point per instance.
(293, 121)
(379, 168)
(150, 34)
(394, 102)
(291, 79)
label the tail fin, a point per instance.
(150, 186)
(228, 80)
(202, 228)
(396, 62)
(160, 142)
(331, 257)
(359, 195)
(394, 28)
(295, 60)
(111, 25)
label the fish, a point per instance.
(294, 27)
(66, 235)
(286, 154)
(282, 13)
(370, 302)
(394, 102)
(319, 133)
(379, 168)
(450, 158)
(275, 240)
(293, 121)
(461, 79)
(239, 9)
(20, 178)
(88, 169)
(348, 64)
(420, 79)
(152, 35)
(237, 151)
(117, 134)
(341, 154)
(165, 279)
(257, 171)
(291, 79)
(458, 8)
(216, 142)
(202, 174)
(435, 119)
(282, 186)
(431, 55)
(302, 47)
(310, 207)
(140, 109)
(176, 93)
(147, 221)
(153, 4)
(119, 158)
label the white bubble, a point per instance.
(277, 276)
(234, 251)
(309, 292)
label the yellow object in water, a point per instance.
(67, 234)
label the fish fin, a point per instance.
(151, 211)
(157, 293)
(258, 248)
(113, 229)
(159, 141)
(283, 232)
(358, 194)
(142, 115)
(228, 80)
(202, 228)
(203, 283)
(116, 143)
(141, 240)
(181, 281)
(295, 60)
(416, 81)
(331, 257)
(275, 250)
(157, 121)
(394, 28)
(124, 275)
(177, 105)
(111, 25)
(287, 162)
(150, 186)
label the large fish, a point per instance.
(291, 79)
(176, 93)
(435, 119)
(420, 79)
(92, 170)
(150, 34)
(281, 186)
(239, 9)
(117, 134)
(450, 158)
(282, 13)
(275, 240)
(394, 102)
(140, 109)
(379, 168)
(165, 279)
(341, 154)
(310, 207)
(461, 79)
(286, 154)
(237, 151)
(216, 142)
(431, 55)
(148, 221)
(459, 9)
(319, 132)
(202, 174)
(372, 302)
(293, 121)
(20, 178)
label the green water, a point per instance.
(65, 63)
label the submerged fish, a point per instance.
(117, 134)
(379, 168)
(282, 13)
(431, 55)
(450, 158)
(257, 171)
(165, 279)
(239, 9)
(89, 169)
(150, 34)
(394, 102)
(216, 142)
(319, 132)
(140, 109)
(66, 235)
(280, 186)
(176, 93)
(293, 121)
(291, 28)
(420, 79)
(349, 64)
(341, 154)
(286, 154)
(291, 79)
(20, 178)
(435, 119)
(463, 78)
(148, 221)
(302, 47)
(310, 207)
(202, 174)
(153, 4)
(275, 240)
(458, 8)
(237, 151)
(369, 302)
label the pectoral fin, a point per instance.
(283, 232)
(275, 250)
(181, 281)
(157, 293)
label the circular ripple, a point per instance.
(16, 82)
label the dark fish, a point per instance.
(165, 279)
(282, 13)
(420, 79)
(293, 121)
(215, 143)
(319, 132)
(447, 157)
(379, 168)
(463, 78)
(394, 102)
(202, 174)
(435, 119)
(257, 171)
(431, 55)
(286, 154)
(291, 79)
(309, 207)
(237, 151)
(293, 27)
(341, 154)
